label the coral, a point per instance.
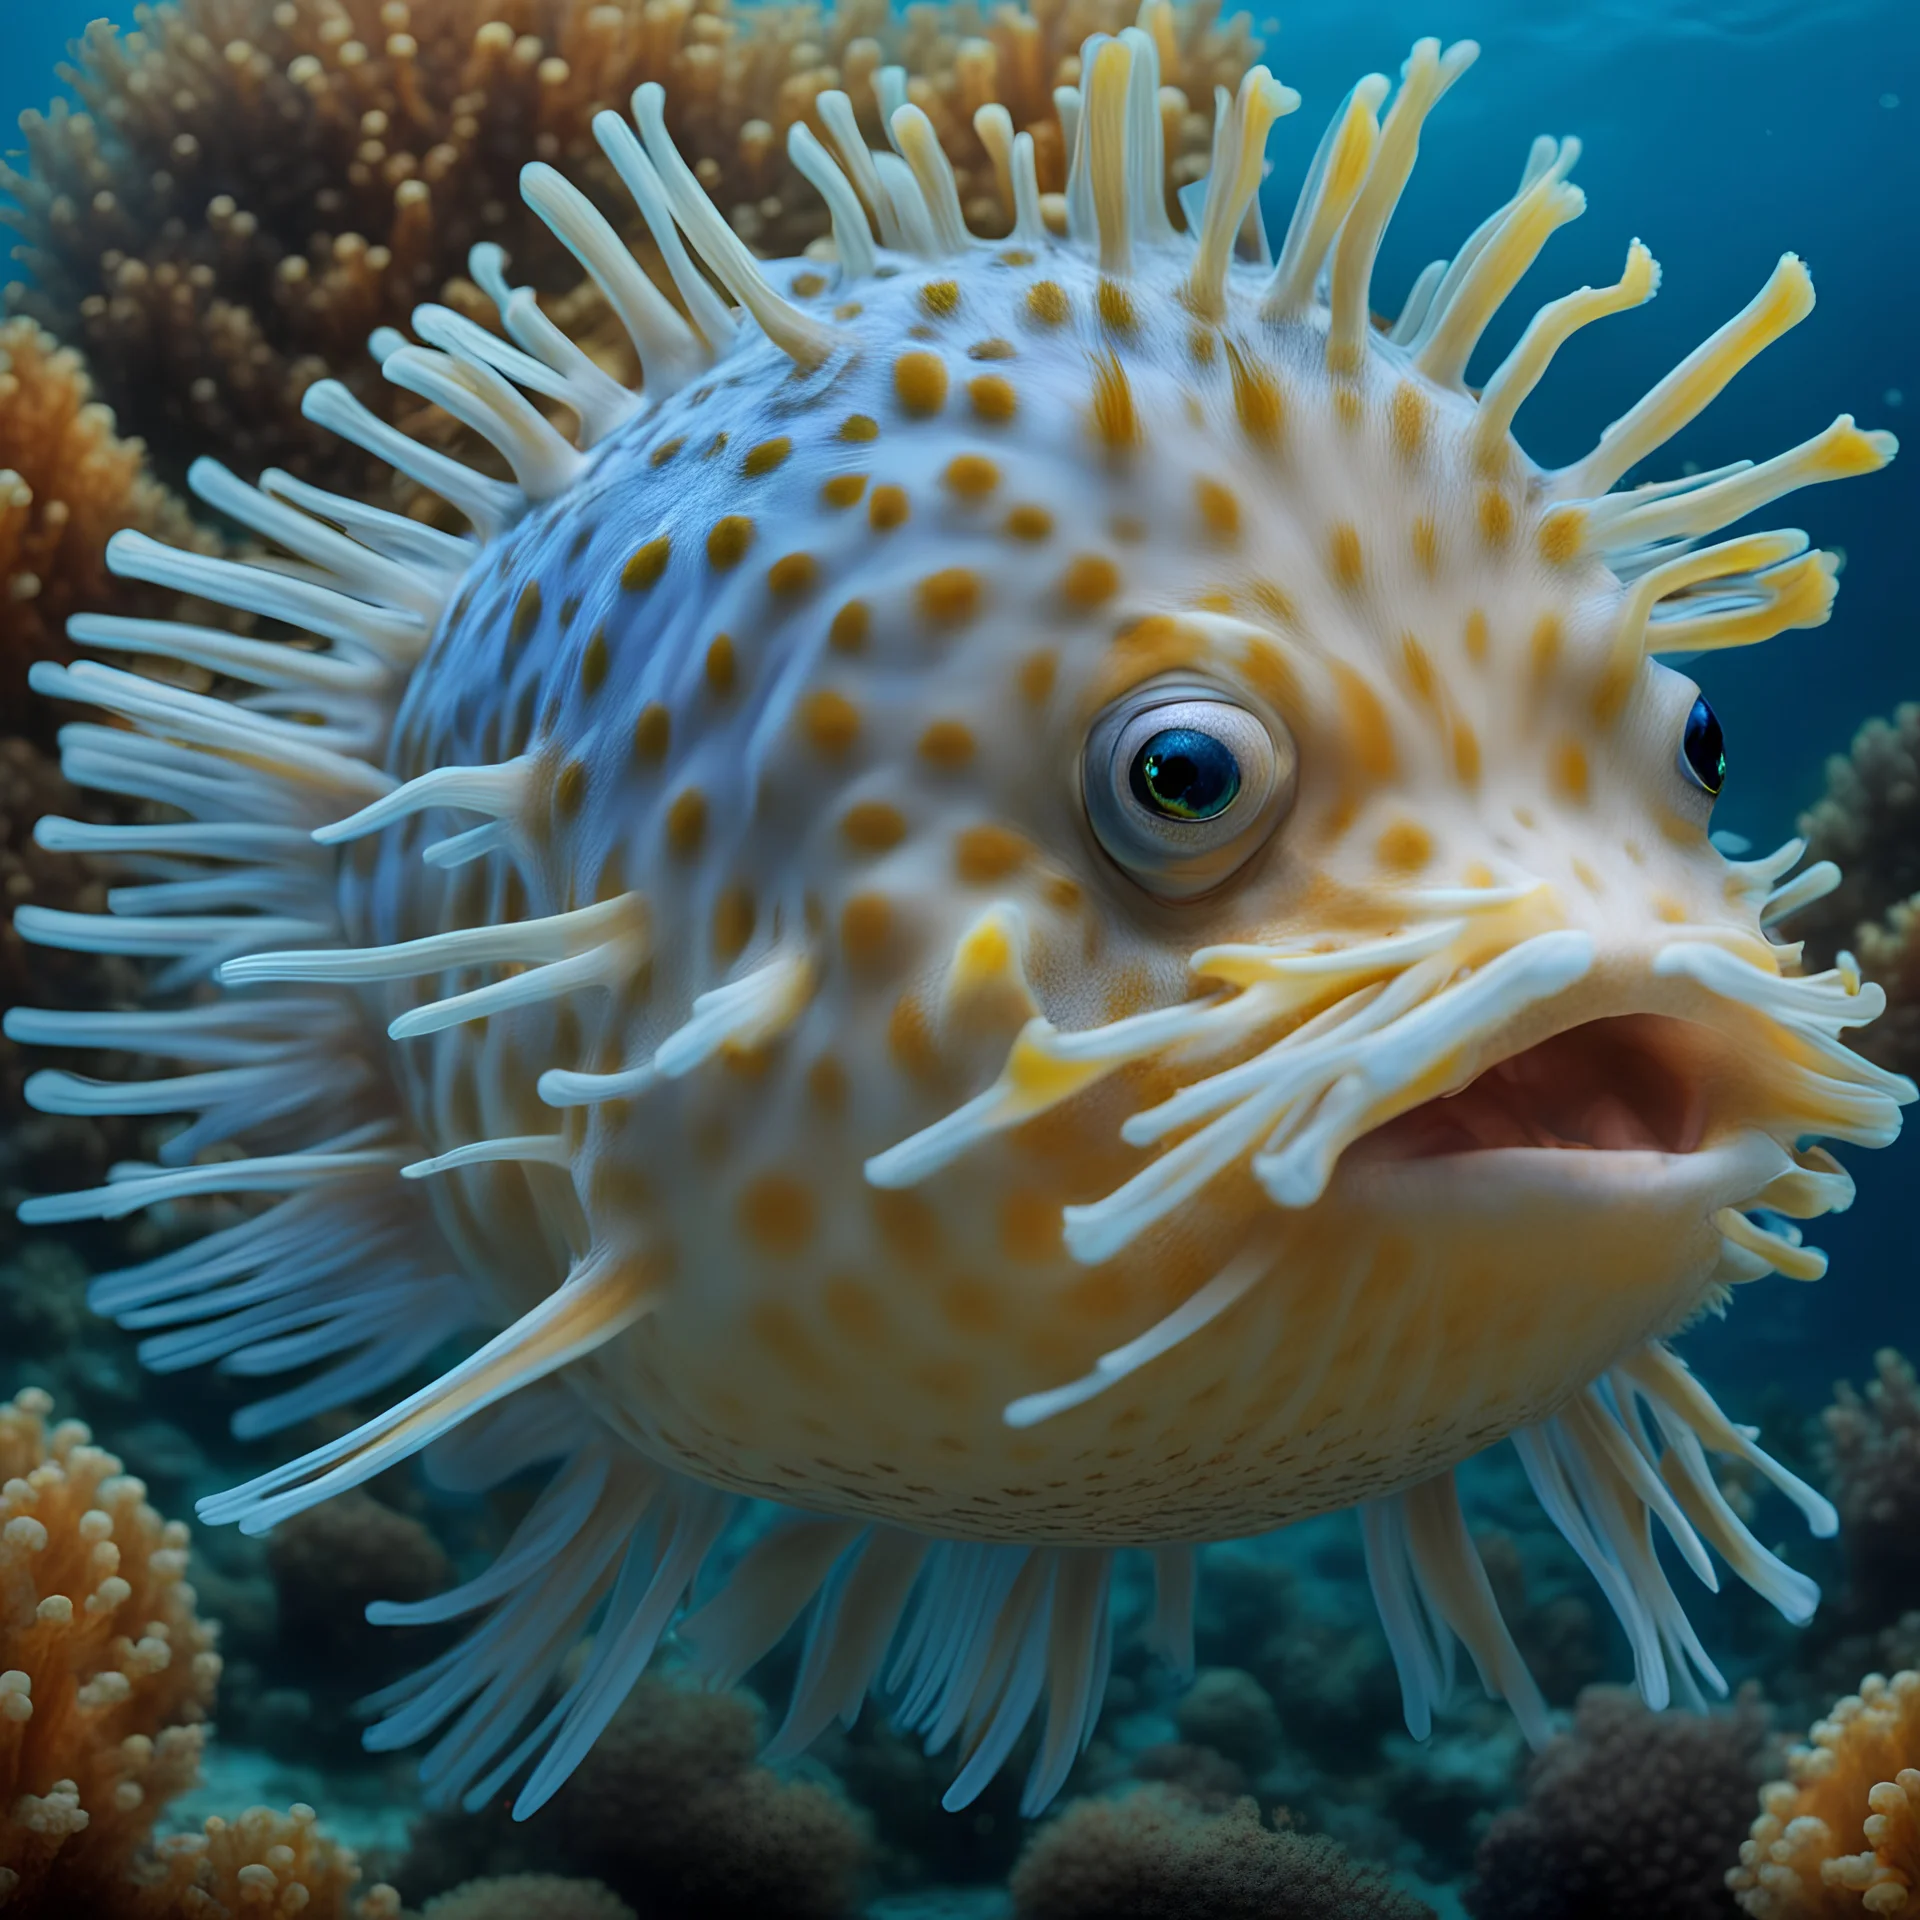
(1631, 1813)
(1870, 1454)
(529, 1896)
(262, 1864)
(1840, 1835)
(671, 1811)
(108, 1669)
(253, 187)
(1231, 1712)
(1151, 1855)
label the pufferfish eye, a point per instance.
(1183, 784)
(1703, 749)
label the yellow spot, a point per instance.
(792, 573)
(722, 667)
(1419, 668)
(776, 1214)
(1047, 303)
(859, 426)
(1569, 769)
(866, 924)
(1029, 1226)
(1029, 523)
(1218, 508)
(848, 310)
(1344, 556)
(949, 597)
(1426, 546)
(1203, 344)
(1588, 878)
(910, 1037)
(982, 855)
(593, 663)
(687, 821)
(717, 445)
(1543, 647)
(1014, 257)
(1271, 675)
(829, 720)
(1346, 406)
(848, 631)
(1213, 600)
(1667, 908)
(971, 475)
(1476, 637)
(728, 542)
(887, 509)
(652, 733)
(1479, 874)
(1256, 397)
(827, 1084)
(947, 743)
(1404, 847)
(1090, 578)
(733, 916)
(872, 826)
(992, 397)
(1409, 414)
(765, 457)
(940, 297)
(920, 383)
(805, 286)
(1369, 737)
(1114, 417)
(1036, 677)
(1560, 538)
(994, 349)
(1115, 305)
(665, 452)
(647, 565)
(1495, 514)
(1272, 600)
(570, 789)
(526, 614)
(844, 489)
(1466, 754)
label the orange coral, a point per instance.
(1840, 1835)
(262, 1864)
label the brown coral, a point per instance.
(529, 1896)
(1152, 1855)
(1870, 1453)
(1840, 1836)
(109, 1670)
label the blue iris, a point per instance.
(1183, 774)
(1703, 749)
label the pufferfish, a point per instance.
(1045, 903)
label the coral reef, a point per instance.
(1632, 1812)
(262, 1864)
(1230, 1711)
(1151, 1854)
(529, 1896)
(254, 187)
(1870, 1454)
(1840, 1835)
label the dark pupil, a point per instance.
(1704, 749)
(1185, 775)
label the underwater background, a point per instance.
(1721, 135)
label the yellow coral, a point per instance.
(108, 1669)
(262, 1864)
(1854, 1786)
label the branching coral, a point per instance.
(1840, 1836)
(108, 1669)
(258, 1867)
(1152, 1855)
(1870, 1452)
(254, 185)
(1631, 1813)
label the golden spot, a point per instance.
(1495, 513)
(687, 821)
(1014, 257)
(1029, 1226)
(992, 397)
(982, 855)
(1560, 538)
(994, 349)
(1029, 523)
(1588, 878)
(1466, 754)
(920, 383)
(1346, 406)
(1418, 663)
(855, 1311)
(570, 789)
(1404, 847)
(1634, 852)
(887, 509)
(733, 917)
(647, 565)
(827, 1084)
(1047, 303)
(1476, 637)
(1668, 909)
(1202, 344)
(1369, 737)
(776, 1214)
(722, 667)
(947, 743)
(1090, 579)
(940, 298)
(1272, 600)
(1426, 546)
(866, 924)
(1063, 892)
(1568, 766)
(1036, 677)
(765, 457)
(1271, 675)
(1543, 647)
(949, 597)
(1115, 306)
(971, 1306)
(859, 426)
(1115, 419)
(1344, 556)
(805, 286)
(728, 542)
(1409, 414)
(910, 1038)
(1213, 600)
(526, 614)
(848, 631)
(872, 826)
(1218, 508)
(792, 573)
(594, 663)
(829, 720)
(971, 476)
(652, 733)
(664, 452)
(1479, 874)
(844, 489)
(1256, 397)
(717, 445)
(848, 310)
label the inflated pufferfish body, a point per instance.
(1091, 925)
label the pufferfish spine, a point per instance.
(1045, 901)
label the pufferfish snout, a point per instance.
(1047, 901)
